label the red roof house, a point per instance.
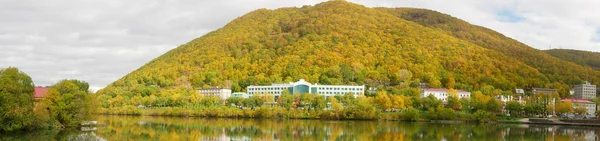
(40, 92)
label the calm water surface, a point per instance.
(175, 128)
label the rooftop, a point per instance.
(441, 90)
(40, 92)
(577, 100)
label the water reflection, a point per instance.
(52, 135)
(174, 128)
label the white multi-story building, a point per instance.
(220, 92)
(442, 94)
(585, 91)
(303, 87)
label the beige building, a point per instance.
(585, 91)
(220, 92)
(582, 103)
(536, 91)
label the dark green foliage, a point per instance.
(410, 114)
(514, 108)
(68, 102)
(430, 102)
(16, 100)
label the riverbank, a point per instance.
(276, 112)
(544, 121)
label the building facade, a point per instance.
(219, 92)
(585, 91)
(505, 98)
(240, 94)
(303, 87)
(519, 91)
(442, 94)
(582, 103)
(536, 91)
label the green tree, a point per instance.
(237, 101)
(410, 114)
(514, 108)
(348, 99)
(454, 103)
(430, 102)
(68, 102)
(286, 100)
(319, 102)
(16, 100)
(494, 106)
(211, 101)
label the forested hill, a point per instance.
(555, 69)
(339, 42)
(584, 58)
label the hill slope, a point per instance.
(330, 43)
(584, 58)
(555, 69)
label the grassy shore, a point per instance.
(279, 112)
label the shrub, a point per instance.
(410, 114)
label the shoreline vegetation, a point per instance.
(383, 106)
(67, 105)
(274, 112)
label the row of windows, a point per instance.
(251, 93)
(460, 95)
(343, 89)
(336, 93)
(319, 88)
(268, 88)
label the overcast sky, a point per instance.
(99, 41)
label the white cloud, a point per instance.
(99, 41)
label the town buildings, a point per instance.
(583, 103)
(303, 87)
(585, 91)
(536, 91)
(442, 94)
(220, 92)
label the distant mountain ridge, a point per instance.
(554, 68)
(584, 58)
(339, 42)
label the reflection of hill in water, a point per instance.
(177, 128)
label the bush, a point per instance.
(483, 116)
(410, 114)
(446, 113)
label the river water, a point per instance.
(177, 128)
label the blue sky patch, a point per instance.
(510, 16)
(596, 38)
